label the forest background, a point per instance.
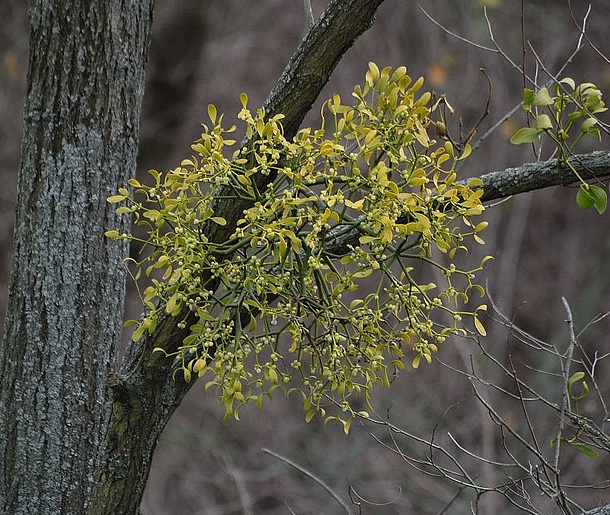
(545, 247)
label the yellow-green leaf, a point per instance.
(480, 327)
(542, 98)
(212, 112)
(525, 135)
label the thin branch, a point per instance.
(583, 33)
(457, 36)
(476, 456)
(311, 475)
(360, 498)
(242, 489)
(523, 51)
(565, 394)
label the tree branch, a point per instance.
(506, 183)
(145, 391)
(535, 176)
(298, 88)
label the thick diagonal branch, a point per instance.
(145, 393)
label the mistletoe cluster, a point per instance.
(318, 289)
(566, 117)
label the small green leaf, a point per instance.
(218, 220)
(525, 135)
(480, 327)
(199, 366)
(528, 96)
(544, 122)
(592, 196)
(173, 304)
(346, 425)
(374, 70)
(140, 330)
(115, 198)
(583, 199)
(367, 239)
(542, 98)
(585, 449)
(212, 112)
(577, 376)
(587, 124)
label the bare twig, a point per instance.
(583, 33)
(360, 498)
(242, 490)
(457, 36)
(565, 394)
(311, 475)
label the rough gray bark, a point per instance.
(65, 308)
(535, 176)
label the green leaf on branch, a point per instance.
(525, 135)
(542, 98)
(590, 195)
(579, 446)
(586, 450)
(528, 97)
(544, 122)
(574, 379)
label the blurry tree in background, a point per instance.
(546, 248)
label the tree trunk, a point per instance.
(65, 308)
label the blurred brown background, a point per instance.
(209, 51)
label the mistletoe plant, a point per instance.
(570, 105)
(318, 290)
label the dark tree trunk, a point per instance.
(85, 86)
